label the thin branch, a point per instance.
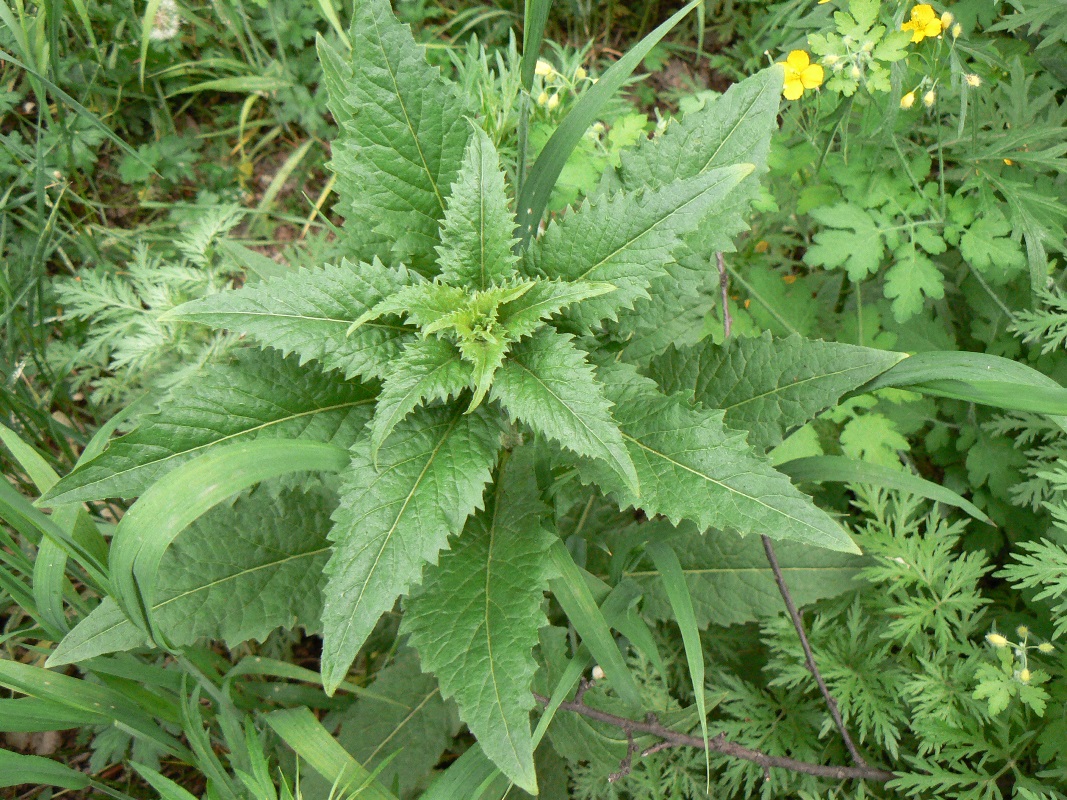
(724, 287)
(809, 656)
(719, 744)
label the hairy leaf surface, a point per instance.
(402, 149)
(769, 386)
(235, 574)
(729, 578)
(309, 312)
(397, 516)
(693, 467)
(626, 239)
(476, 617)
(547, 383)
(477, 233)
(430, 369)
(261, 394)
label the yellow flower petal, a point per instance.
(932, 28)
(812, 77)
(798, 60)
(793, 89)
(923, 13)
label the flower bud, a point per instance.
(1024, 675)
(855, 71)
(972, 79)
(1046, 648)
(1023, 631)
(996, 640)
(544, 69)
(542, 98)
(553, 101)
(830, 60)
(908, 100)
(946, 19)
(580, 73)
(957, 29)
(930, 98)
(598, 673)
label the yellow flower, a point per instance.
(972, 79)
(923, 23)
(996, 640)
(800, 74)
(930, 98)
(908, 100)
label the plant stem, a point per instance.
(809, 657)
(720, 744)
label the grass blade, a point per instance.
(542, 177)
(573, 594)
(670, 570)
(838, 469)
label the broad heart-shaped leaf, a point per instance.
(733, 129)
(547, 383)
(692, 467)
(626, 239)
(309, 312)
(729, 578)
(769, 386)
(261, 394)
(476, 617)
(476, 235)
(235, 574)
(429, 369)
(411, 722)
(397, 516)
(398, 155)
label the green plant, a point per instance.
(468, 411)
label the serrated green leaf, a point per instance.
(769, 386)
(912, 279)
(626, 239)
(395, 518)
(429, 369)
(692, 467)
(729, 578)
(414, 722)
(235, 574)
(547, 383)
(476, 617)
(260, 395)
(525, 314)
(477, 232)
(399, 154)
(310, 313)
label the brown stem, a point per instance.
(720, 744)
(809, 656)
(724, 287)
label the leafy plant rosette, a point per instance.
(477, 390)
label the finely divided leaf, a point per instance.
(547, 383)
(626, 239)
(692, 467)
(477, 233)
(235, 574)
(411, 722)
(430, 369)
(729, 578)
(768, 386)
(394, 518)
(476, 617)
(399, 154)
(260, 395)
(309, 312)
